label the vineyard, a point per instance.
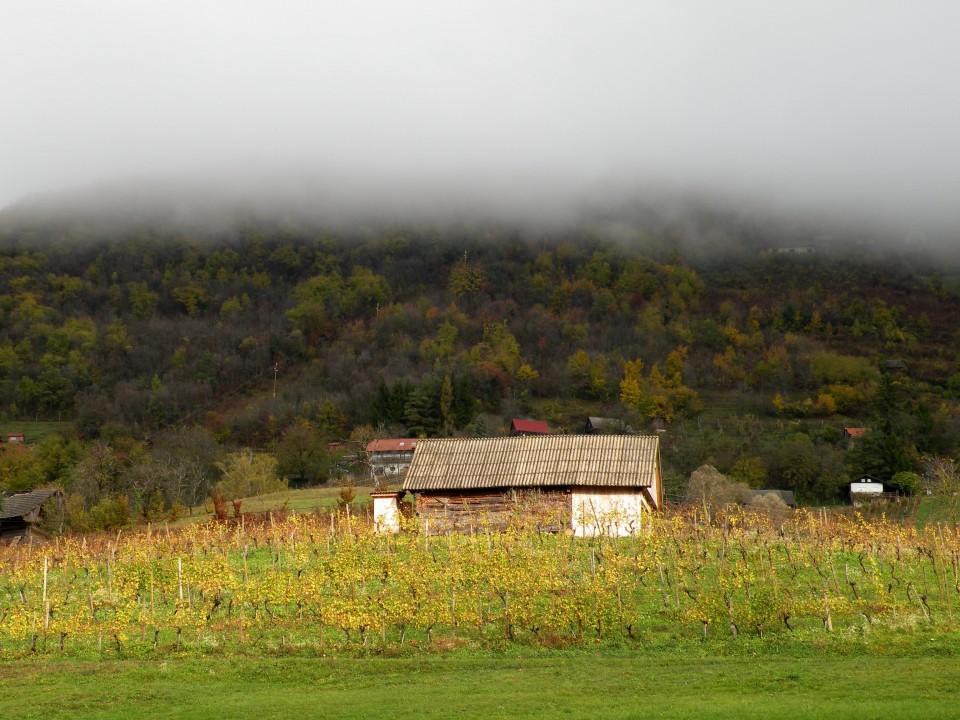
(327, 583)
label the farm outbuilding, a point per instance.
(20, 512)
(606, 426)
(589, 484)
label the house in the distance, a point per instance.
(15, 437)
(852, 434)
(865, 488)
(390, 457)
(606, 426)
(895, 365)
(588, 484)
(528, 427)
(797, 250)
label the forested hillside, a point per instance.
(165, 348)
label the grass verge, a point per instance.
(573, 685)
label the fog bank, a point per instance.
(844, 110)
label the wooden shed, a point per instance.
(20, 511)
(590, 484)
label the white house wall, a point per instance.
(607, 511)
(872, 488)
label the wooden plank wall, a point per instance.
(480, 511)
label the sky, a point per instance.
(843, 106)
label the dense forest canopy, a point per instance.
(753, 345)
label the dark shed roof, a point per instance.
(24, 503)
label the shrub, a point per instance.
(708, 486)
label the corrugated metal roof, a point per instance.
(23, 503)
(534, 461)
(392, 445)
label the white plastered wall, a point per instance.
(386, 518)
(608, 511)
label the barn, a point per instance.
(20, 512)
(590, 484)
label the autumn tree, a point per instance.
(711, 488)
(21, 468)
(466, 278)
(247, 473)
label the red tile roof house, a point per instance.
(390, 457)
(852, 434)
(528, 427)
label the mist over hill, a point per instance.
(653, 217)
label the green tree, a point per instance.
(813, 471)
(143, 301)
(317, 310)
(193, 296)
(749, 470)
(302, 454)
(364, 292)
(879, 453)
(116, 339)
(447, 420)
(420, 414)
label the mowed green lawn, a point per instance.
(567, 685)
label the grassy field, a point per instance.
(299, 501)
(934, 510)
(570, 685)
(810, 615)
(34, 431)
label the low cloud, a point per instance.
(843, 110)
